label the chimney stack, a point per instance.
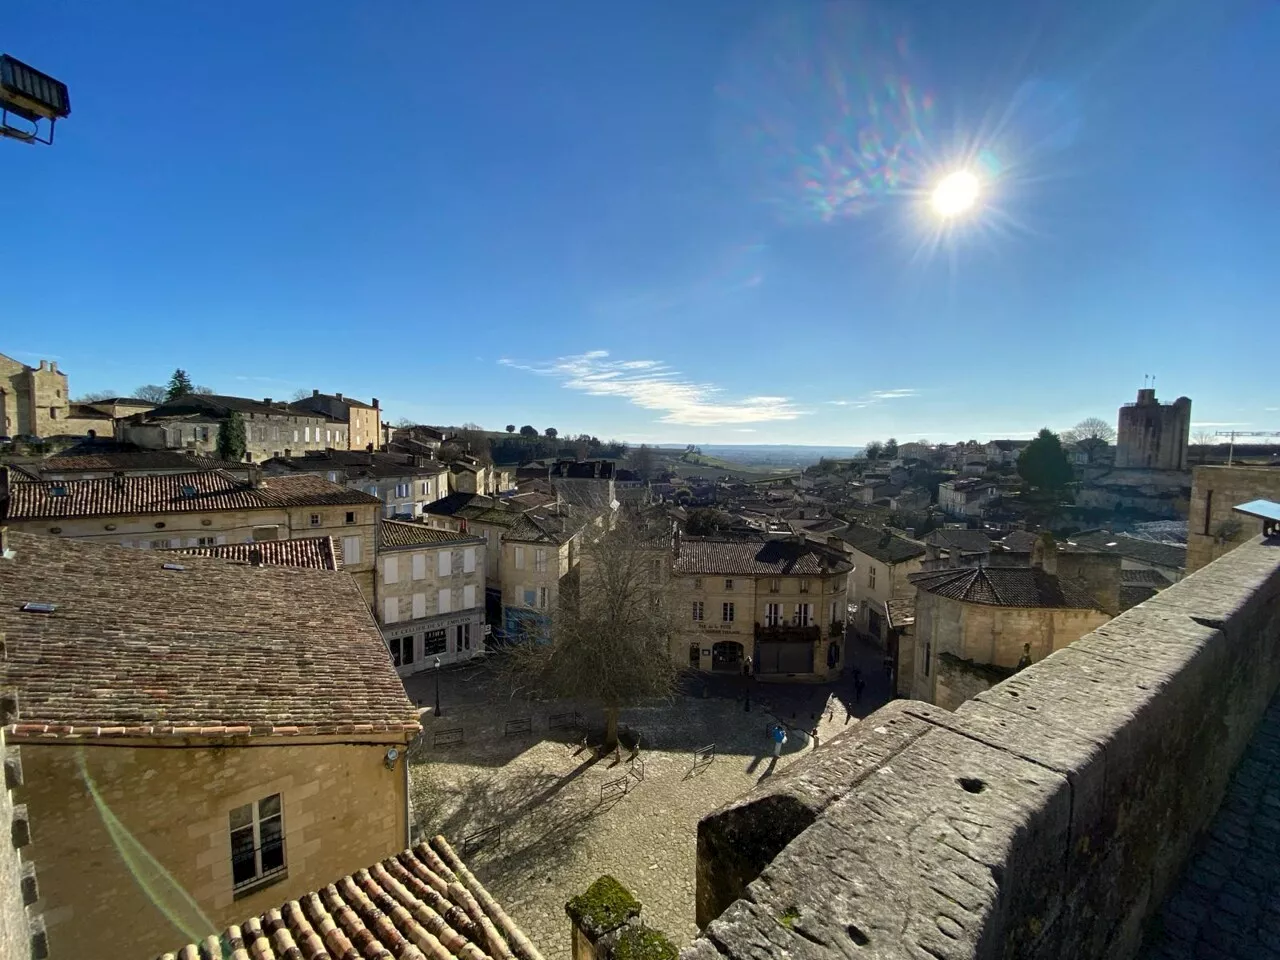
(255, 556)
(267, 401)
(338, 395)
(375, 404)
(315, 393)
(255, 476)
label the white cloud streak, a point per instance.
(653, 385)
(874, 397)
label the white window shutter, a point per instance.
(444, 601)
(469, 560)
(391, 609)
(419, 606)
(391, 570)
(469, 596)
(419, 566)
(445, 563)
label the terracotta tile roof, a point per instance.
(314, 553)
(880, 545)
(1006, 587)
(902, 612)
(538, 527)
(421, 903)
(220, 406)
(966, 541)
(754, 557)
(1169, 555)
(134, 460)
(212, 649)
(473, 506)
(399, 533)
(356, 464)
(172, 493)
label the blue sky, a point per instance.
(664, 221)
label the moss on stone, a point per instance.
(788, 917)
(605, 906)
(644, 943)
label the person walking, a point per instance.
(779, 738)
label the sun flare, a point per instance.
(955, 194)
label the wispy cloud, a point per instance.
(875, 396)
(744, 429)
(1220, 423)
(1271, 409)
(653, 385)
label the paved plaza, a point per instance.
(543, 790)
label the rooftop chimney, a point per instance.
(375, 403)
(255, 556)
(315, 393)
(338, 395)
(267, 401)
(255, 476)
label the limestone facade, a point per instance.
(135, 837)
(1154, 435)
(36, 401)
(1213, 528)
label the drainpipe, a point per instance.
(408, 805)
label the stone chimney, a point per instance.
(267, 401)
(375, 404)
(315, 393)
(255, 476)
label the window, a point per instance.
(1208, 510)
(726, 612)
(419, 606)
(928, 655)
(426, 488)
(434, 642)
(463, 639)
(468, 596)
(804, 586)
(401, 650)
(871, 576)
(835, 613)
(697, 611)
(351, 516)
(419, 566)
(206, 541)
(444, 563)
(315, 519)
(391, 570)
(443, 602)
(53, 413)
(306, 434)
(333, 476)
(350, 550)
(728, 584)
(804, 614)
(390, 609)
(469, 559)
(519, 558)
(540, 560)
(159, 544)
(697, 583)
(328, 435)
(402, 490)
(543, 593)
(257, 841)
(775, 585)
(295, 436)
(772, 614)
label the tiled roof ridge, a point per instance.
(991, 585)
(422, 902)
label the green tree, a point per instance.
(890, 448)
(179, 385)
(528, 432)
(232, 440)
(1043, 465)
(873, 450)
(551, 433)
(707, 521)
(511, 428)
(641, 461)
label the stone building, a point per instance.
(405, 483)
(780, 601)
(1152, 434)
(540, 554)
(976, 626)
(966, 497)
(1213, 528)
(272, 427)
(199, 510)
(363, 420)
(431, 598)
(201, 740)
(882, 562)
(36, 401)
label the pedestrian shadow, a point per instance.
(773, 765)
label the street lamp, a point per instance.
(438, 713)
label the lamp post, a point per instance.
(438, 713)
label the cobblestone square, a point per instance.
(543, 791)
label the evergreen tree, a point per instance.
(1043, 465)
(232, 440)
(179, 385)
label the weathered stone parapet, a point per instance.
(1046, 818)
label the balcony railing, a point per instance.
(788, 633)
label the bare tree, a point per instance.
(1204, 441)
(300, 394)
(203, 390)
(1092, 435)
(610, 640)
(96, 396)
(642, 461)
(151, 392)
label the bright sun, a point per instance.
(955, 194)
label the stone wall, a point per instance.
(151, 870)
(1159, 494)
(1046, 818)
(22, 935)
(1213, 528)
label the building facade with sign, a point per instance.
(430, 586)
(780, 602)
